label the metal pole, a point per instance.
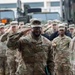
(61, 7)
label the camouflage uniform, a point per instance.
(3, 58)
(35, 53)
(52, 30)
(11, 64)
(72, 30)
(3, 48)
(2, 28)
(72, 48)
(62, 55)
(21, 68)
(73, 34)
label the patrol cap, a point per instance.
(49, 21)
(36, 23)
(2, 25)
(14, 23)
(71, 26)
(61, 27)
(56, 21)
(54, 24)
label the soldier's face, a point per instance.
(36, 31)
(2, 29)
(54, 26)
(61, 32)
(71, 30)
(14, 28)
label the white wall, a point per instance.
(46, 4)
(7, 1)
(14, 1)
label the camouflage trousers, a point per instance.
(29, 69)
(21, 69)
(11, 65)
(3, 66)
(63, 69)
(11, 61)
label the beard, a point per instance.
(36, 34)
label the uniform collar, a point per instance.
(39, 41)
(62, 37)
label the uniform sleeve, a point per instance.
(54, 41)
(14, 42)
(4, 37)
(50, 61)
(72, 44)
(71, 48)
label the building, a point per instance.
(66, 9)
(73, 10)
(46, 5)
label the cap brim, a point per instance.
(36, 26)
(61, 28)
(36, 22)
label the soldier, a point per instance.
(3, 48)
(35, 49)
(11, 64)
(72, 30)
(53, 29)
(72, 48)
(47, 26)
(54, 25)
(2, 58)
(61, 52)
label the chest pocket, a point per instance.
(62, 44)
(37, 47)
(31, 48)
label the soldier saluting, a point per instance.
(35, 49)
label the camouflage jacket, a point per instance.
(62, 51)
(35, 53)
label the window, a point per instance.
(53, 16)
(40, 16)
(12, 5)
(7, 14)
(47, 16)
(36, 4)
(55, 3)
